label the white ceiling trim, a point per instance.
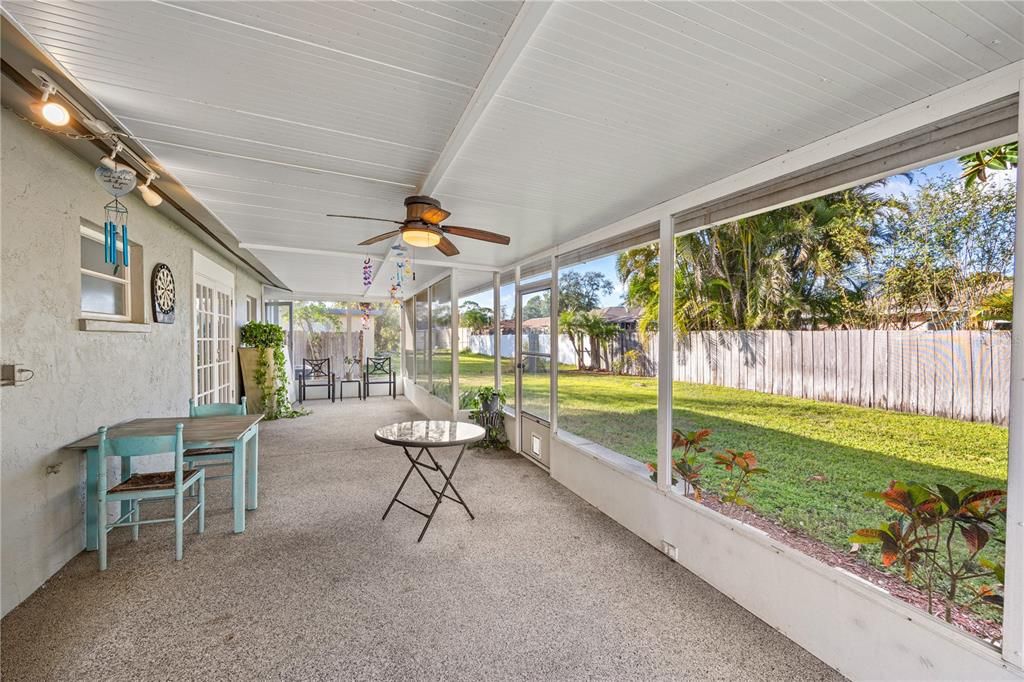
(530, 16)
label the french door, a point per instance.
(213, 378)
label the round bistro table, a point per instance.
(422, 436)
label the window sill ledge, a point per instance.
(93, 325)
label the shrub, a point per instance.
(937, 535)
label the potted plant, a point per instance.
(487, 403)
(351, 368)
(490, 400)
(264, 370)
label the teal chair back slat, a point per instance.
(136, 446)
(216, 409)
(139, 446)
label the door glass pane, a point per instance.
(536, 350)
(440, 338)
(506, 342)
(537, 386)
(102, 296)
(422, 338)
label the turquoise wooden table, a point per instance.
(236, 431)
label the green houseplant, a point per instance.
(487, 403)
(265, 371)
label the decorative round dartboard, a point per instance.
(163, 294)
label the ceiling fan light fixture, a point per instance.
(420, 236)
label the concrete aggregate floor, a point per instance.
(540, 586)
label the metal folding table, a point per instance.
(425, 435)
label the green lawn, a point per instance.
(855, 449)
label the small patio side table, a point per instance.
(341, 387)
(426, 435)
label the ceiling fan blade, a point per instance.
(446, 247)
(362, 217)
(380, 237)
(473, 233)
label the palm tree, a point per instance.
(572, 323)
(600, 332)
(781, 269)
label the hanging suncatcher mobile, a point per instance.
(117, 182)
(367, 273)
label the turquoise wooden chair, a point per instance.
(153, 486)
(204, 457)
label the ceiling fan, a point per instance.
(422, 227)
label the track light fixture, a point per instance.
(54, 112)
(148, 195)
(109, 160)
(57, 114)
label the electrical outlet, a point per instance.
(670, 550)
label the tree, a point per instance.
(976, 166)
(475, 317)
(573, 325)
(600, 332)
(315, 318)
(581, 291)
(792, 267)
(537, 306)
(387, 331)
(946, 250)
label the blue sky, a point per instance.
(895, 186)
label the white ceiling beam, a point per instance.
(519, 33)
(457, 265)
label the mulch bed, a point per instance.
(987, 630)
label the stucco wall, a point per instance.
(82, 379)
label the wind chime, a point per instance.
(403, 271)
(117, 182)
(116, 214)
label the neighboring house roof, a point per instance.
(619, 314)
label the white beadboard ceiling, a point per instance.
(273, 114)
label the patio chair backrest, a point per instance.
(317, 367)
(138, 446)
(216, 409)
(380, 364)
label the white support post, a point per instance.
(517, 362)
(496, 323)
(553, 347)
(454, 287)
(1013, 610)
(666, 300)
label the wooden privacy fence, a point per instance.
(958, 374)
